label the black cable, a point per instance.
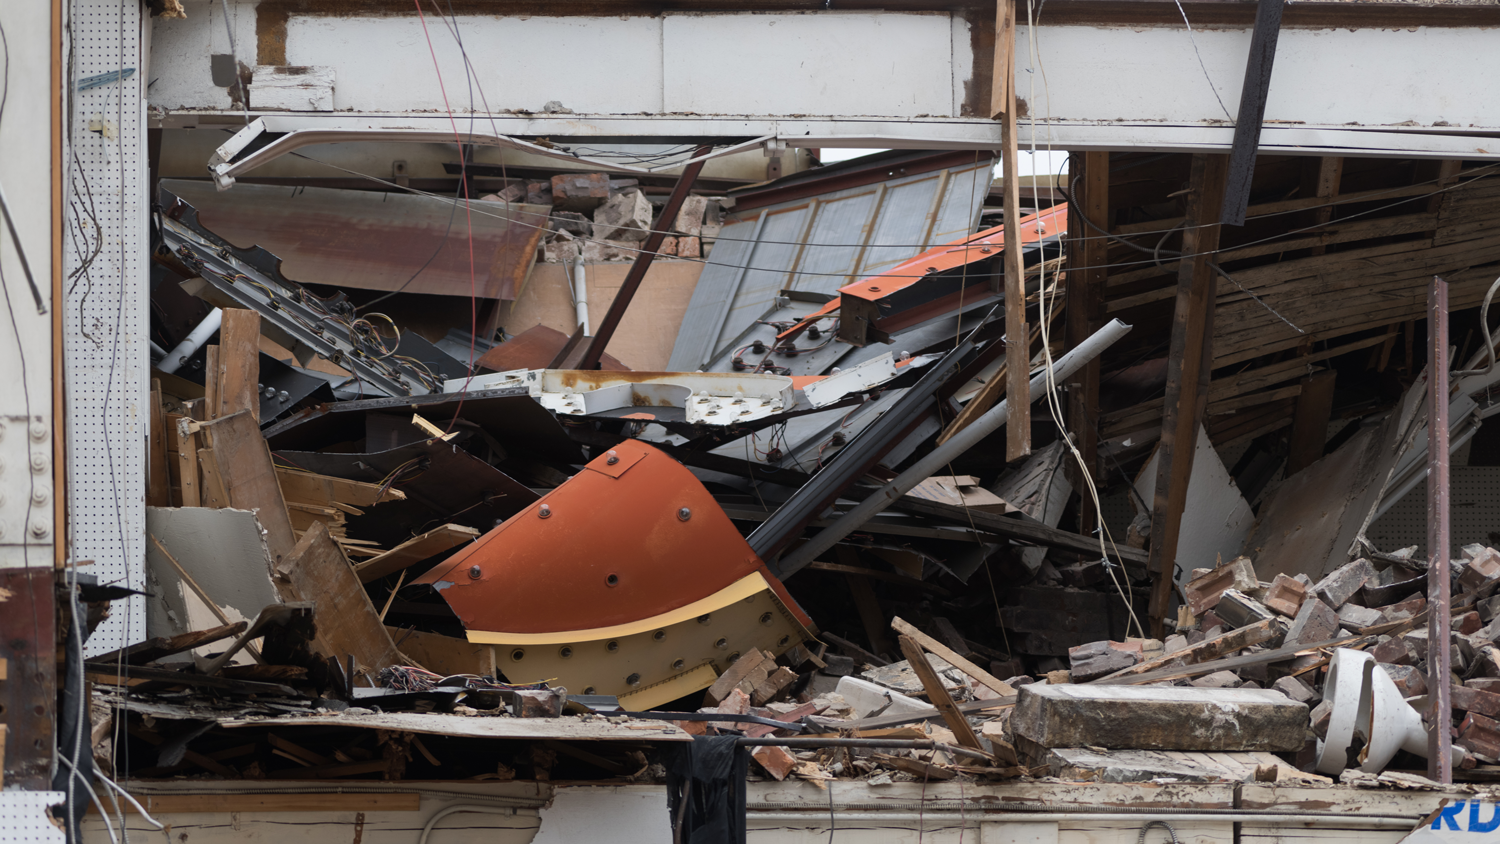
(442, 244)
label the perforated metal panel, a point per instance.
(105, 322)
(1475, 517)
(23, 817)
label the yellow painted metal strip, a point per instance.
(747, 586)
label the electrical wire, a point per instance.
(1478, 173)
(1211, 85)
(103, 813)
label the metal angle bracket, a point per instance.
(252, 278)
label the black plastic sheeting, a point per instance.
(709, 776)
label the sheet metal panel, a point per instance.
(819, 245)
(105, 320)
(376, 241)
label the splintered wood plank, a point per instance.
(348, 624)
(1017, 372)
(159, 478)
(953, 658)
(210, 383)
(244, 465)
(239, 363)
(1235, 640)
(310, 488)
(162, 646)
(415, 550)
(185, 444)
(1084, 307)
(938, 695)
(213, 493)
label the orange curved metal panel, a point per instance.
(632, 537)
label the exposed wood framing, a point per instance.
(1017, 372)
(939, 695)
(239, 364)
(1088, 255)
(1188, 371)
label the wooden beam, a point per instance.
(1088, 259)
(239, 364)
(953, 657)
(1310, 421)
(243, 463)
(1253, 94)
(1321, 179)
(1188, 370)
(1018, 371)
(939, 696)
(158, 477)
(184, 444)
(415, 550)
(1235, 640)
(1002, 79)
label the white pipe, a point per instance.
(975, 817)
(462, 807)
(191, 343)
(581, 293)
(940, 456)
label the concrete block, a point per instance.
(1346, 580)
(1159, 718)
(1286, 595)
(1298, 690)
(625, 217)
(1241, 610)
(1098, 659)
(690, 216)
(1355, 617)
(866, 698)
(1217, 680)
(1315, 622)
(579, 191)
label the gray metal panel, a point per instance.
(820, 245)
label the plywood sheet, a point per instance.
(645, 336)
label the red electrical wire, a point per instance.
(468, 222)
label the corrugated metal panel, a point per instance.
(819, 245)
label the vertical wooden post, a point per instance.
(238, 370)
(1439, 542)
(1087, 256)
(1188, 371)
(1321, 179)
(1018, 350)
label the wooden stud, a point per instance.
(938, 695)
(1018, 372)
(1002, 77)
(185, 444)
(158, 477)
(1188, 370)
(954, 659)
(1321, 179)
(1310, 422)
(238, 366)
(1089, 254)
(244, 464)
(213, 492)
(211, 376)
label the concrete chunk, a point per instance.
(1340, 586)
(1159, 718)
(1316, 622)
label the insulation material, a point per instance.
(1216, 519)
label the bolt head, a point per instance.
(38, 431)
(683, 514)
(475, 572)
(612, 458)
(545, 512)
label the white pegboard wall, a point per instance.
(24, 820)
(105, 324)
(1474, 513)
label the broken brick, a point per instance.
(1481, 736)
(1470, 699)
(773, 685)
(777, 761)
(1408, 679)
(1098, 659)
(736, 673)
(1204, 591)
(1286, 595)
(1392, 651)
(1340, 585)
(1481, 570)
(1467, 623)
(1315, 622)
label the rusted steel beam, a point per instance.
(1252, 110)
(28, 692)
(637, 273)
(1439, 738)
(1188, 370)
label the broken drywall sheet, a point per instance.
(1216, 517)
(223, 551)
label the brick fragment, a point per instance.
(1403, 610)
(1481, 736)
(1341, 584)
(1408, 679)
(1241, 610)
(1355, 617)
(1470, 699)
(773, 685)
(1098, 659)
(1480, 570)
(735, 674)
(777, 761)
(1286, 595)
(1217, 680)
(1315, 622)
(1204, 591)
(1467, 623)
(1296, 689)
(1392, 651)
(579, 191)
